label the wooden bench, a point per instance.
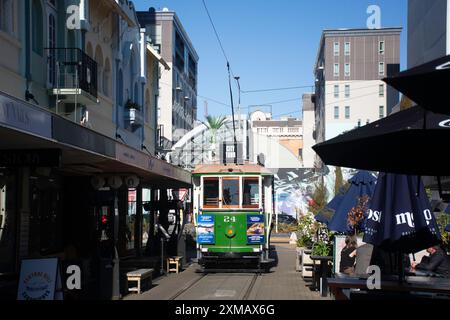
(139, 276)
(176, 261)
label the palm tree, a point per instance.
(214, 124)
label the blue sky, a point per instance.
(270, 44)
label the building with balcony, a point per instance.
(177, 100)
(287, 132)
(349, 69)
(78, 132)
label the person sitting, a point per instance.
(348, 256)
(437, 263)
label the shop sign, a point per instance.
(98, 182)
(132, 181)
(115, 182)
(40, 280)
(30, 158)
(140, 160)
(255, 229)
(20, 115)
(205, 230)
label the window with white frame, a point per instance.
(381, 112)
(336, 91)
(336, 70)
(381, 47)
(347, 48)
(381, 90)
(336, 49)
(347, 69)
(347, 91)
(336, 112)
(381, 68)
(347, 112)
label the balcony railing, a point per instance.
(73, 70)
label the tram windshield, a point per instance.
(250, 193)
(211, 193)
(231, 192)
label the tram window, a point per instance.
(211, 193)
(231, 192)
(251, 193)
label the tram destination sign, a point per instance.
(232, 153)
(30, 158)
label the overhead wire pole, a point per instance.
(232, 113)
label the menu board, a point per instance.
(40, 280)
(205, 230)
(255, 229)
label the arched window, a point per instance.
(52, 44)
(99, 59)
(7, 16)
(136, 93)
(132, 67)
(147, 103)
(106, 77)
(37, 27)
(89, 50)
(119, 94)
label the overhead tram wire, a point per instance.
(230, 72)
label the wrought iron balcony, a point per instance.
(72, 75)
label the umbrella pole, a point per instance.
(401, 269)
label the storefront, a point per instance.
(69, 192)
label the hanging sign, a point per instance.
(205, 230)
(115, 182)
(98, 182)
(132, 181)
(255, 229)
(40, 280)
(231, 153)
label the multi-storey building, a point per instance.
(349, 68)
(177, 100)
(77, 137)
(283, 135)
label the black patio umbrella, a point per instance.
(427, 85)
(400, 219)
(407, 142)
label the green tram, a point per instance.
(233, 208)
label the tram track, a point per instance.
(251, 286)
(182, 291)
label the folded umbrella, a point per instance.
(399, 219)
(407, 142)
(427, 84)
(362, 184)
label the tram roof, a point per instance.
(231, 169)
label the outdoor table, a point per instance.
(324, 269)
(411, 284)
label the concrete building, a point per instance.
(76, 85)
(177, 100)
(308, 130)
(349, 68)
(267, 135)
(428, 31)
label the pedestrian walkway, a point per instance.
(282, 283)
